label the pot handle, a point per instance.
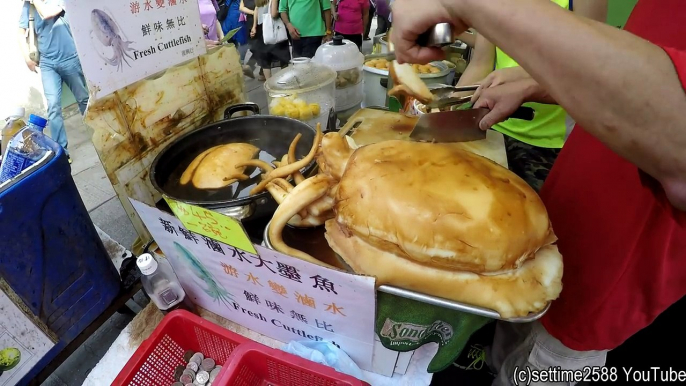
(383, 82)
(248, 106)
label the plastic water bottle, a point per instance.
(13, 124)
(162, 285)
(26, 148)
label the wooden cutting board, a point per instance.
(369, 126)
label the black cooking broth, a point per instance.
(312, 242)
(237, 190)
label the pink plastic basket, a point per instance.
(253, 364)
(154, 362)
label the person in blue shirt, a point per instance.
(232, 21)
(59, 61)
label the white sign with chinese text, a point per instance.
(123, 41)
(273, 294)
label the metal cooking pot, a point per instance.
(272, 135)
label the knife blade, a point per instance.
(458, 125)
(447, 102)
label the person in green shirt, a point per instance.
(308, 23)
(532, 146)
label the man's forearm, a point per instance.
(622, 89)
(23, 46)
(592, 9)
(474, 73)
(533, 92)
(482, 63)
(47, 11)
(327, 19)
(285, 19)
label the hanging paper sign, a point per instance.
(212, 224)
(122, 42)
(276, 295)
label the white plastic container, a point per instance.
(345, 58)
(161, 284)
(303, 91)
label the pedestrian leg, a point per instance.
(72, 74)
(52, 87)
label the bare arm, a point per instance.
(295, 34)
(592, 9)
(620, 88)
(24, 48)
(47, 11)
(274, 11)
(327, 19)
(245, 9)
(220, 32)
(254, 26)
(333, 9)
(480, 66)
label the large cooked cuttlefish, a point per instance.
(431, 218)
(219, 166)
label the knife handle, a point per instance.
(523, 113)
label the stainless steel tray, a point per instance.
(436, 301)
(457, 306)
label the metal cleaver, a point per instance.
(458, 125)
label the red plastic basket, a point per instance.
(253, 364)
(154, 362)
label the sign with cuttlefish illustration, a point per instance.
(123, 41)
(273, 294)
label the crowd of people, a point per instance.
(309, 23)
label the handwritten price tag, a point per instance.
(212, 224)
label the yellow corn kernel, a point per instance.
(278, 110)
(305, 113)
(315, 109)
(293, 113)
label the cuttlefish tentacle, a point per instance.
(321, 206)
(240, 177)
(297, 176)
(282, 162)
(277, 192)
(302, 195)
(286, 187)
(266, 167)
(291, 168)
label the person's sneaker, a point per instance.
(261, 78)
(69, 159)
(248, 71)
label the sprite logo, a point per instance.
(406, 334)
